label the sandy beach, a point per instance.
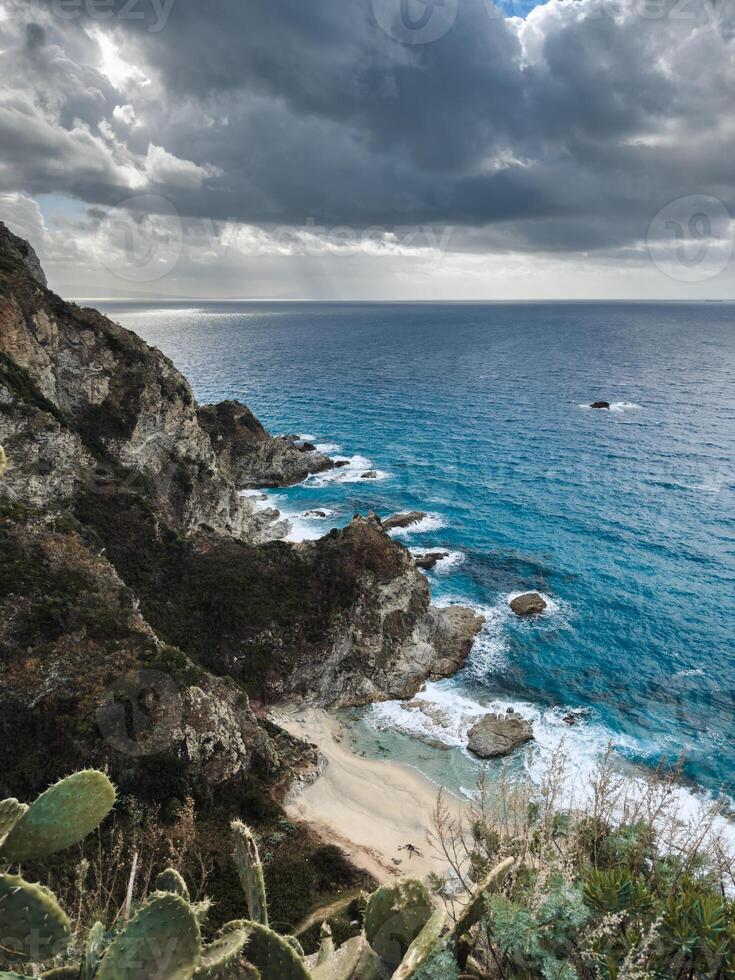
(370, 807)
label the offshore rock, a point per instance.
(498, 735)
(403, 520)
(529, 604)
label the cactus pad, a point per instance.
(161, 942)
(219, 957)
(32, 925)
(475, 908)
(171, 881)
(422, 948)
(273, 955)
(354, 960)
(10, 813)
(394, 916)
(60, 817)
(94, 947)
(250, 870)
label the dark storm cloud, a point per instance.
(564, 132)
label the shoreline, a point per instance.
(369, 807)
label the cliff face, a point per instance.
(132, 550)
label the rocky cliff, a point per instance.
(132, 547)
(144, 602)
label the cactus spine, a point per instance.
(60, 817)
(250, 870)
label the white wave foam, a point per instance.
(354, 472)
(328, 447)
(305, 437)
(432, 522)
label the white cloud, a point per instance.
(124, 114)
(162, 167)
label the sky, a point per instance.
(372, 149)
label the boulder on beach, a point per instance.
(529, 604)
(429, 560)
(403, 520)
(498, 735)
(600, 405)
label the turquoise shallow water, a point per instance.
(473, 413)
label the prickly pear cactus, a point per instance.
(171, 881)
(475, 908)
(10, 813)
(272, 954)
(394, 916)
(94, 947)
(60, 817)
(326, 944)
(32, 925)
(422, 948)
(162, 942)
(250, 870)
(354, 960)
(220, 956)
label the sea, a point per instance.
(478, 415)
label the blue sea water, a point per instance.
(624, 520)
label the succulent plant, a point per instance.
(171, 881)
(60, 817)
(250, 870)
(475, 908)
(394, 917)
(220, 957)
(161, 942)
(32, 925)
(163, 938)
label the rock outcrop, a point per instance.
(249, 456)
(529, 604)
(403, 520)
(600, 405)
(430, 559)
(498, 735)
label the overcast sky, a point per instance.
(372, 149)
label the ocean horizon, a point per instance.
(478, 415)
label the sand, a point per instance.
(369, 807)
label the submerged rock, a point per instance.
(403, 520)
(600, 405)
(529, 604)
(498, 735)
(429, 560)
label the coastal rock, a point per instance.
(529, 604)
(315, 513)
(498, 735)
(370, 475)
(403, 520)
(429, 560)
(249, 456)
(600, 405)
